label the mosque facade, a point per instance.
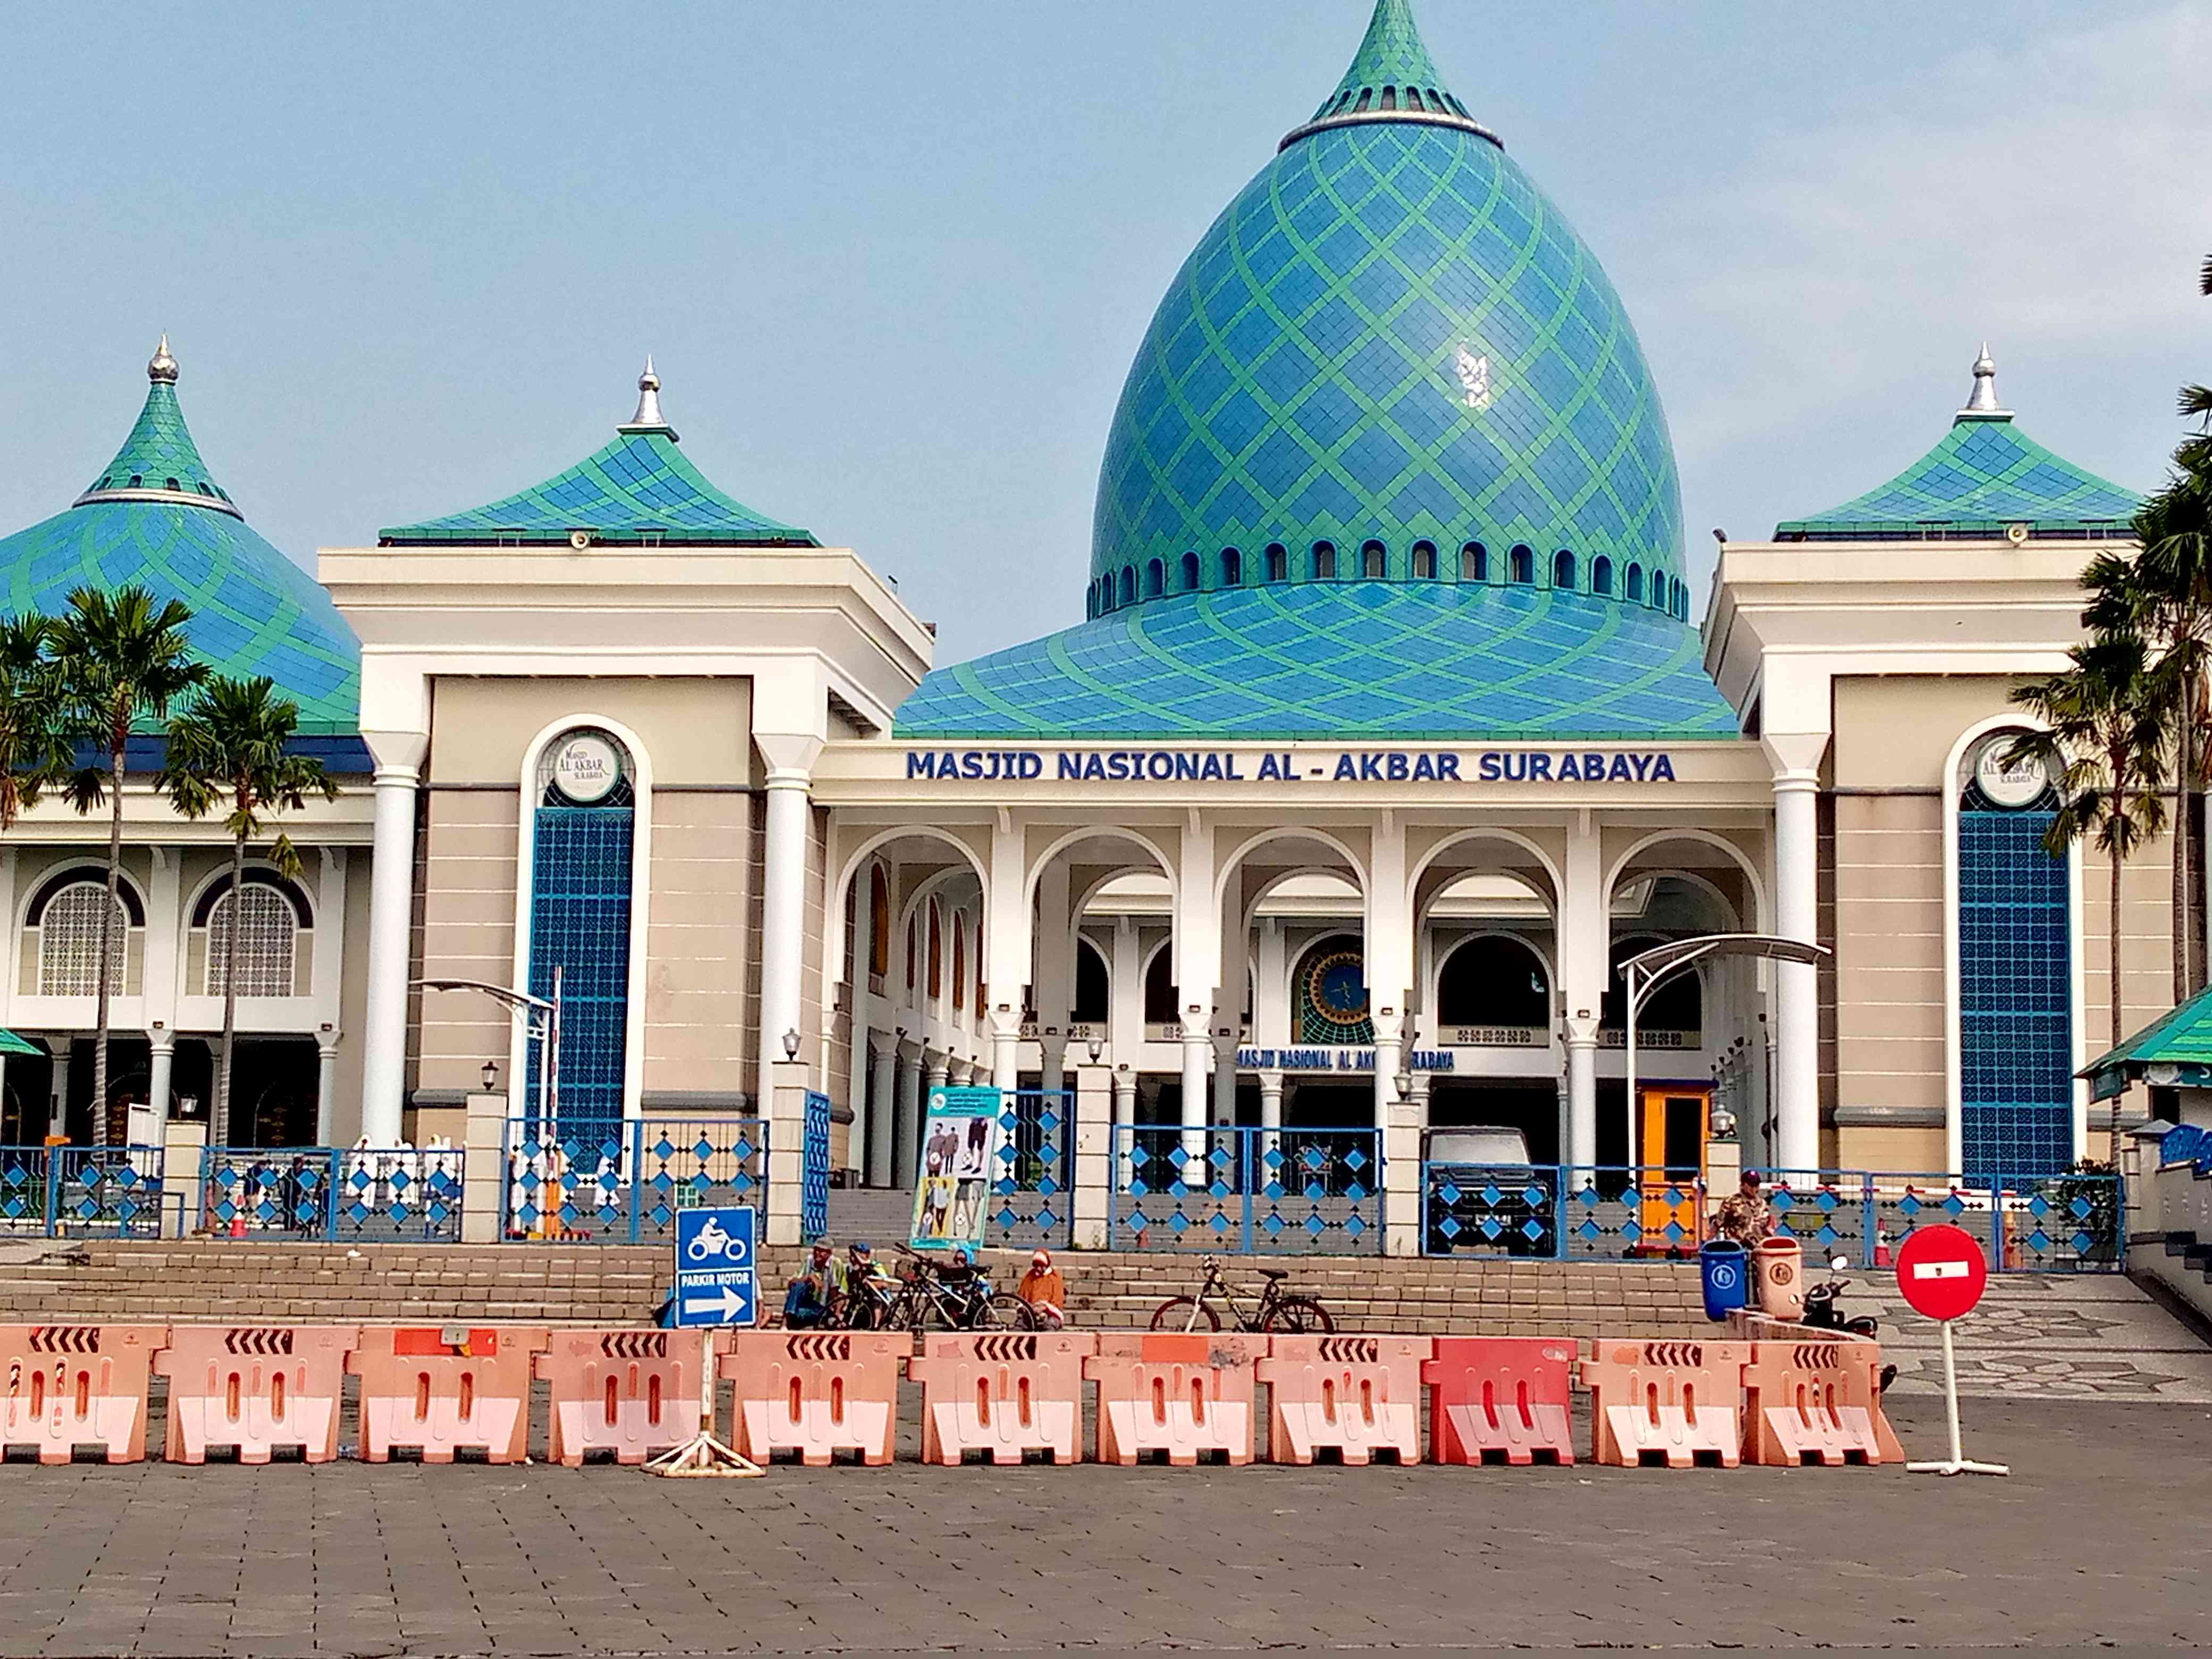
(1387, 734)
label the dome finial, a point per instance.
(649, 417)
(1982, 405)
(162, 370)
(1391, 78)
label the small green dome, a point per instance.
(156, 518)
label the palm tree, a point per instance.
(34, 750)
(121, 658)
(231, 748)
(2103, 746)
(2172, 587)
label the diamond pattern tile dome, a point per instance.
(157, 519)
(1405, 661)
(1391, 336)
(1985, 475)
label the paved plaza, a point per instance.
(2096, 1537)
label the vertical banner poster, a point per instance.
(958, 1139)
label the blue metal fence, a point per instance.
(1556, 1213)
(1313, 1192)
(81, 1192)
(814, 1168)
(1032, 1197)
(361, 1194)
(622, 1182)
(2026, 1223)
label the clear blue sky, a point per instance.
(894, 259)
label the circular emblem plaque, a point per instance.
(586, 767)
(2010, 784)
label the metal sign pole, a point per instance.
(1956, 1463)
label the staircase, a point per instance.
(623, 1284)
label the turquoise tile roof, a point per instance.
(638, 490)
(1391, 336)
(2181, 1036)
(1428, 661)
(1985, 476)
(254, 612)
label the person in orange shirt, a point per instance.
(1045, 1291)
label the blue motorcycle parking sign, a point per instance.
(716, 1279)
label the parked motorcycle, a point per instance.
(1824, 1312)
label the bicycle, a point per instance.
(925, 1300)
(1277, 1313)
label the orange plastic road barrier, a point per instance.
(444, 1389)
(1816, 1402)
(1672, 1402)
(1354, 1396)
(78, 1385)
(817, 1393)
(631, 1393)
(1007, 1392)
(1502, 1400)
(255, 1388)
(1184, 1395)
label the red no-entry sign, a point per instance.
(1942, 1271)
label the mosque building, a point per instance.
(1386, 733)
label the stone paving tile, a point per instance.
(2097, 1537)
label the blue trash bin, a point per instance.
(1724, 1274)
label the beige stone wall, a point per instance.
(1889, 955)
(699, 970)
(467, 900)
(353, 996)
(1892, 737)
(696, 731)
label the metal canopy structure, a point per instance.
(1644, 972)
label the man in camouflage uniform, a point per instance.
(1746, 1217)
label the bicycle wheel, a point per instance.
(1006, 1312)
(1176, 1313)
(1297, 1316)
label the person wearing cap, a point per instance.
(1746, 1217)
(808, 1298)
(1044, 1290)
(855, 1307)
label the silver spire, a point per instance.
(648, 416)
(163, 368)
(1984, 399)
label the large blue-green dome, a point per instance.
(156, 518)
(1391, 339)
(1390, 464)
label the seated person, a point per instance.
(808, 1298)
(1044, 1290)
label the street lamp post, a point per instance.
(541, 1018)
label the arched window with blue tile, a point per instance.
(2015, 970)
(583, 849)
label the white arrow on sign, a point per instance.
(1940, 1269)
(725, 1301)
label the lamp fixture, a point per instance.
(490, 1076)
(791, 1044)
(1096, 1049)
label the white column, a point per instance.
(1093, 1131)
(1582, 937)
(1125, 1006)
(1796, 985)
(1197, 1055)
(162, 1048)
(326, 1089)
(391, 927)
(883, 1111)
(1271, 1108)
(1224, 1079)
(1581, 1092)
(906, 1146)
(1125, 1114)
(1271, 990)
(783, 888)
